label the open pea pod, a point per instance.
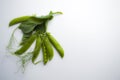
(49, 48)
(45, 54)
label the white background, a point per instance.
(88, 30)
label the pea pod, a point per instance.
(19, 20)
(56, 45)
(45, 55)
(36, 49)
(48, 48)
(25, 46)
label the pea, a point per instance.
(48, 48)
(26, 45)
(36, 49)
(45, 55)
(19, 20)
(56, 45)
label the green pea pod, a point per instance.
(25, 46)
(45, 55)
(36, 49)
(56, 45)
(19, 20)
(48, 48)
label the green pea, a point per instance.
(19, 20)
(48, 48)
(36, 49)
(45, 55)
(56, 45)
(25, 46)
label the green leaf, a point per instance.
(25, 38)
(27, 27)
(36, 20)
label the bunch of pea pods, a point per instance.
(34, 29)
